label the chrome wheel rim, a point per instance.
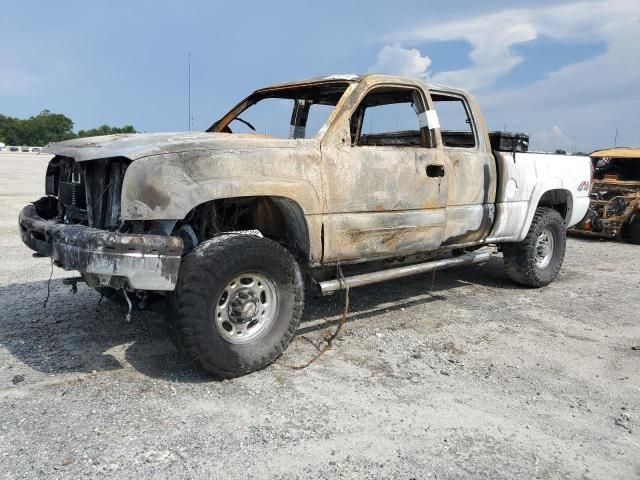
(246, 307)
(544, 248)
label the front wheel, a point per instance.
(536, 260)
(237, 304)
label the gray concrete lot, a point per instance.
(475, 378)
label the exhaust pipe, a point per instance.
(330, 286)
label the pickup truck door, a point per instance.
(471, 178)
(385, 189)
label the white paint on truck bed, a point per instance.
(523, 179)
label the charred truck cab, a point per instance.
(390, 176)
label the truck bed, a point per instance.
(524, 177)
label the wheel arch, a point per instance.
(557, 198)
(276, 217)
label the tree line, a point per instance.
(46, 127)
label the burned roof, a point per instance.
(357, 78)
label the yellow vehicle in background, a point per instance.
(615, 196)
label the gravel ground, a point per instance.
(475, 378)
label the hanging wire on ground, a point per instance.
(48, 286)
(130, 305)
(328, 337)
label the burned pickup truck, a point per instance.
(296, 182)
(615, 196)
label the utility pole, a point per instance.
(615, 139)
(189, 88)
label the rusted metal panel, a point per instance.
(367, 189)
(148, 262)
(140, 145)
(352, 236)
(615, 194)
(169, 186)
(377, 179)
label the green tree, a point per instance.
(48, 127)
(106, 130)
(559, 151)
(37, 130)
(8, 127)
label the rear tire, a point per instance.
(536, 261)
(237, 303)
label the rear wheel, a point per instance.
(536, 261)
(237, 304)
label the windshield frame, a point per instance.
(280, 92)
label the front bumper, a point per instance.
(146, 262)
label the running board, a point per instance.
(330, 286)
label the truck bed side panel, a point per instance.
(525, 178)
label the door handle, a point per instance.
(435, 170)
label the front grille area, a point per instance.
(72, 193)
(88, 192)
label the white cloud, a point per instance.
(492, 36)
(396, 60)
(587, 100)
(550, 140)
(491, 51)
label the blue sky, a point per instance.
(566, 72)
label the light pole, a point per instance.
(189, 89)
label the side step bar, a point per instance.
(330, 286)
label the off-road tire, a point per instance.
(204, 274)
(634, 230)
(520, 258)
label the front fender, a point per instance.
(169, 186)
